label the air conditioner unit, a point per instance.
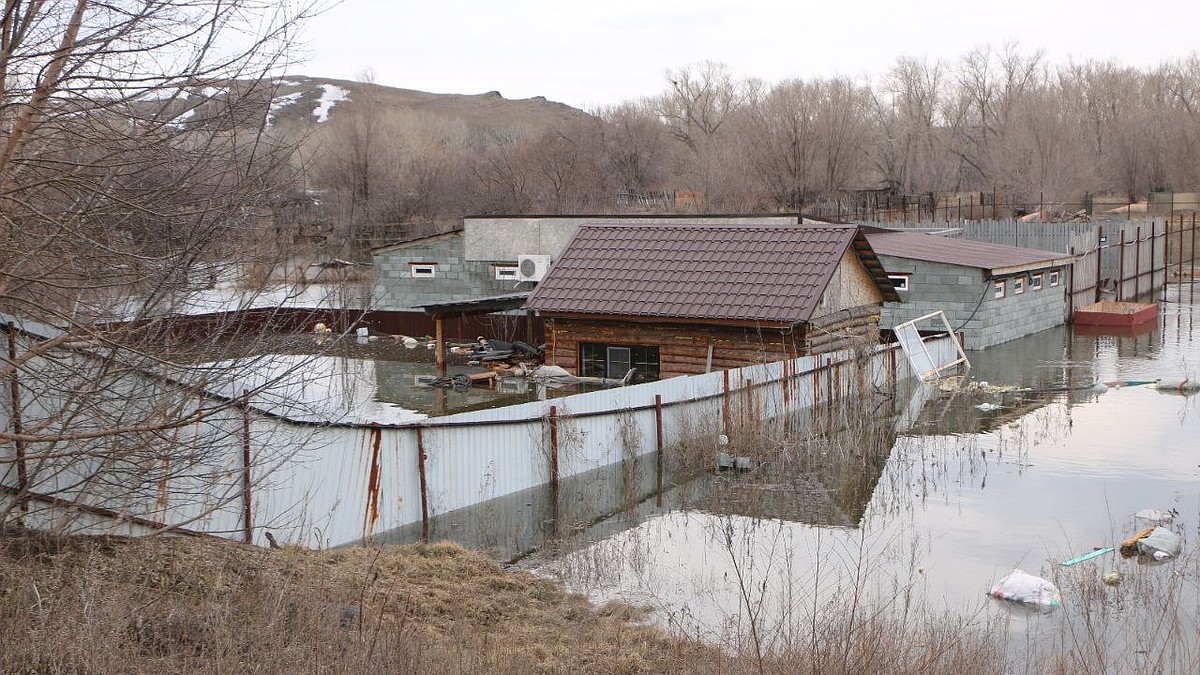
(532, 267)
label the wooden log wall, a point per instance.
(683, 348)
(845, 329)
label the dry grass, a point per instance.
(91, 605)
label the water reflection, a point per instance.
(949, 506)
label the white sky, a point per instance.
(592, 53)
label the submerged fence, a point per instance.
(1131, 261)
(240, 470)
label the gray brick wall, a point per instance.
(967, 299)
(395, 289)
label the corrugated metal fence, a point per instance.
(331, 484)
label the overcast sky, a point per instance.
(593, 53)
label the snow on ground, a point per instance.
(280, 102)
(330, 96)
(185, 116)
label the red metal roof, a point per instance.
(965, 252)
(715, 272)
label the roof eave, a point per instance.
(1028, 267)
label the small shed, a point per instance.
(684, 299)
(991, 292)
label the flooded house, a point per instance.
(991, 292)
(682, 299)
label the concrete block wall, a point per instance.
(966, 298)
(395, 289)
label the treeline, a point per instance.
(997, 119)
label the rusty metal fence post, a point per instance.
(247, 483)
(553, 421)
(658, 459)
(17, 426)
(424, 485)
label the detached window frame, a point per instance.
(1055, 278)
(601, 359)
(422, 270)
(999, 289)
(506, 272)
(899, 281)
(1035, 281)
(1018, 285)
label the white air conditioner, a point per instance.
(532, 267)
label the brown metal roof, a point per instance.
(965, 252)
(715, 272)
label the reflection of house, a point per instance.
(683, 299)
(995, 293)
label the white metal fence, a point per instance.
(323, 484)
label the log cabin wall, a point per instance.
(682, 348)
(845, 329)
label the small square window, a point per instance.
(1018, 285)
(899, 281)
(423, 270)
(1035, 282)
(1054, 278)
(505, 272)
(999, 289)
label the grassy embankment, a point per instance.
(88, 605)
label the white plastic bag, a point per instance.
(1023, 587)
(1161, 544)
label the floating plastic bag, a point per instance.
(1025, 588)
(1160, 544)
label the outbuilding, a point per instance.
(992, 293)
(680, 299)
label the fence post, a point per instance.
(17, 426)
(247, 511)
(658, 459)
(725, 401)
(1137, 262)
(1121, 267)
(1099, 258)
(424, 485)
(554, 465)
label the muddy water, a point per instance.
(961, 497)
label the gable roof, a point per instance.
(739, 273)
(995, 258)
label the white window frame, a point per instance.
(999, 289)
(1035, 281)
(506, 272)
(1055, 278)
(422, 270)
(899, 281)
(1018, 285)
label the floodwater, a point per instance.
(956, 499)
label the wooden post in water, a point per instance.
(658, 458)
(1099, 258)
(1192, 271)
(440, 354)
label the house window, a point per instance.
(613, 361)
(505, 272)
(899, 281)
(1018, 285)
(999, 289)
(1054, 278)
(1035, 282)
(423, 270)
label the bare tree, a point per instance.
(133, 166)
